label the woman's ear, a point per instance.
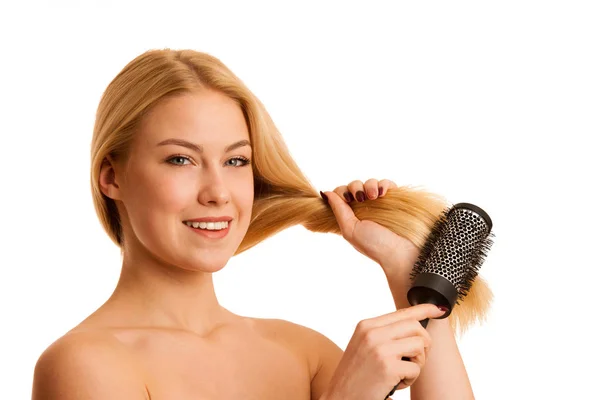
(108, 179)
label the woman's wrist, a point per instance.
(399, 284)
(398, 265)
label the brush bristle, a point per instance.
(456, 248)
(434, 236)
(472, 269)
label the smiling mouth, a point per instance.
(209, 226)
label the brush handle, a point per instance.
(424, 325)
(421, 295)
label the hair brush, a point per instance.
(450, 259)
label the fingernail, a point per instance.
(348, 197)
(360, 196)
(443, 308)
(324, 196)
(381, 191)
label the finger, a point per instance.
(397, 355)
(371, 188)
(418, 312)
(398, 330)
(411, 348)
(344, 192)
(408, 373)
(358, 190)
(423, 311)
(343, 214)
(385, 185)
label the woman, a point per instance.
(188, 170)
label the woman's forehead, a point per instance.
(204, 118)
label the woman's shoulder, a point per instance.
(274, 327)
(82, 341)
(321, 353)
(309, 342)
(77, 361)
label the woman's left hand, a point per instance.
(390, 250)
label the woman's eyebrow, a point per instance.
(197, 148)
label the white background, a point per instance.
(495, 104)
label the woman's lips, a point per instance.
(211, 234)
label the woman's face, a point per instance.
(189, 161)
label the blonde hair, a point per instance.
(283, 196)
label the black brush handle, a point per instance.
(424, 324)
(432, 300)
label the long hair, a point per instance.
(283, 196)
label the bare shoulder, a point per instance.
(301, 335)
(91, 365)
(322, 354)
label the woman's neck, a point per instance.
(152, 295)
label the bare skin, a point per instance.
(163, 334)
(240, 358)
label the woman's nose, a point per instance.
(214, 189)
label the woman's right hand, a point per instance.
(372, 363)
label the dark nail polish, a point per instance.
(381, 191)
(443, 308)
(348, 197)
(324, 196)
(360, 196)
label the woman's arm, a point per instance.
(86, 366)
(444, 376)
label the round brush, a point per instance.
(450, 259)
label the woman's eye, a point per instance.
(233, 162)
(178, 160)
(239, 161)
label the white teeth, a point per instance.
(211, 226)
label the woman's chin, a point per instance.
(204, 265)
